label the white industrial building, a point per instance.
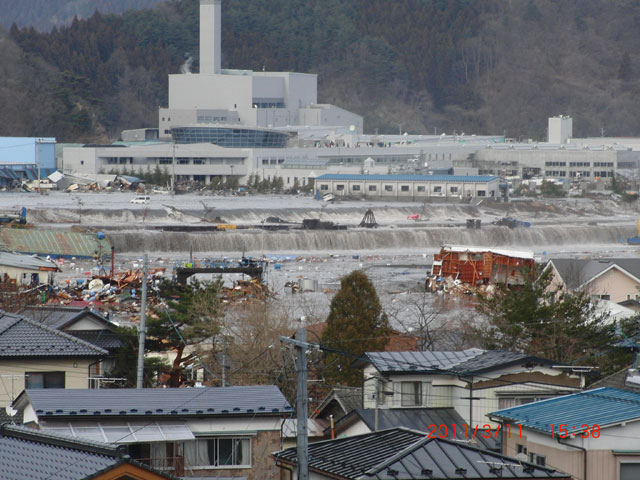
(238, 123)
(410, 187)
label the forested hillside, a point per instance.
(487, 67)
(43, 15)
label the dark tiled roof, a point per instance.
(350, 457)
(59, 317)
(602, 406)
(21, 337)
(101, 338)
(29, 454)
(421, 419)
(405, 454)
(471, 361)
(26, 454)
(253, 400)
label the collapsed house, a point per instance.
(480, 266)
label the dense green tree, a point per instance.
(126, 361)
(356, 324)
(542, 319)
(190, 315)
(551, 189)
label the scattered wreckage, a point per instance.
(464, 269)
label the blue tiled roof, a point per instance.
(602, 406)
(407, 178)
(157, 402)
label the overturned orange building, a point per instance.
(482, 265)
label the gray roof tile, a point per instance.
(421, 419)
(26, 454)
(21, 337)
(575, 271)
(157, 402)
(471, 361)
(59, 317)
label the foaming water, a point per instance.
(551, 236)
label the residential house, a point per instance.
(194, 432)
(83, 323)
(339, 402)
(20, 269)
(33, 355)
(28, 454)
(592, 435)
(614, 279)
(401, 453)
(474, 382)
(442, 422)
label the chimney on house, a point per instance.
(210, 35)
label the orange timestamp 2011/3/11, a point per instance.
(465, 431)
(568, 431)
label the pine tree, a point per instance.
(355, 325)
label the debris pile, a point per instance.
(118, 294)
(246, 291)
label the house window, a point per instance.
(521, 448)
(339, 187)
(404, 188)
(373, 188)
(218, 452)
(388, 188)
(482, 193)
(537, 459)
(421, 188)
(355, 188)
(324, 187)
(411, 394)
(629, 471)
(437, 189)
(453, 189)
(44, 380)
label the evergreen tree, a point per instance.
(355, 325)
(539, 318)
(191, 317)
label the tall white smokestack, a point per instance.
(210, 38)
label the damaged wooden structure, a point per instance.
(482, 265)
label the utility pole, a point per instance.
(38, 143)
(302, 439)
(173, 170)
(142, 328)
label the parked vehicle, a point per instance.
(141, 199)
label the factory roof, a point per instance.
(408, 178)
(52, 243)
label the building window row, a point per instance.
(580, 164)
(555, 164)
(603, 164)
(555, 173)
